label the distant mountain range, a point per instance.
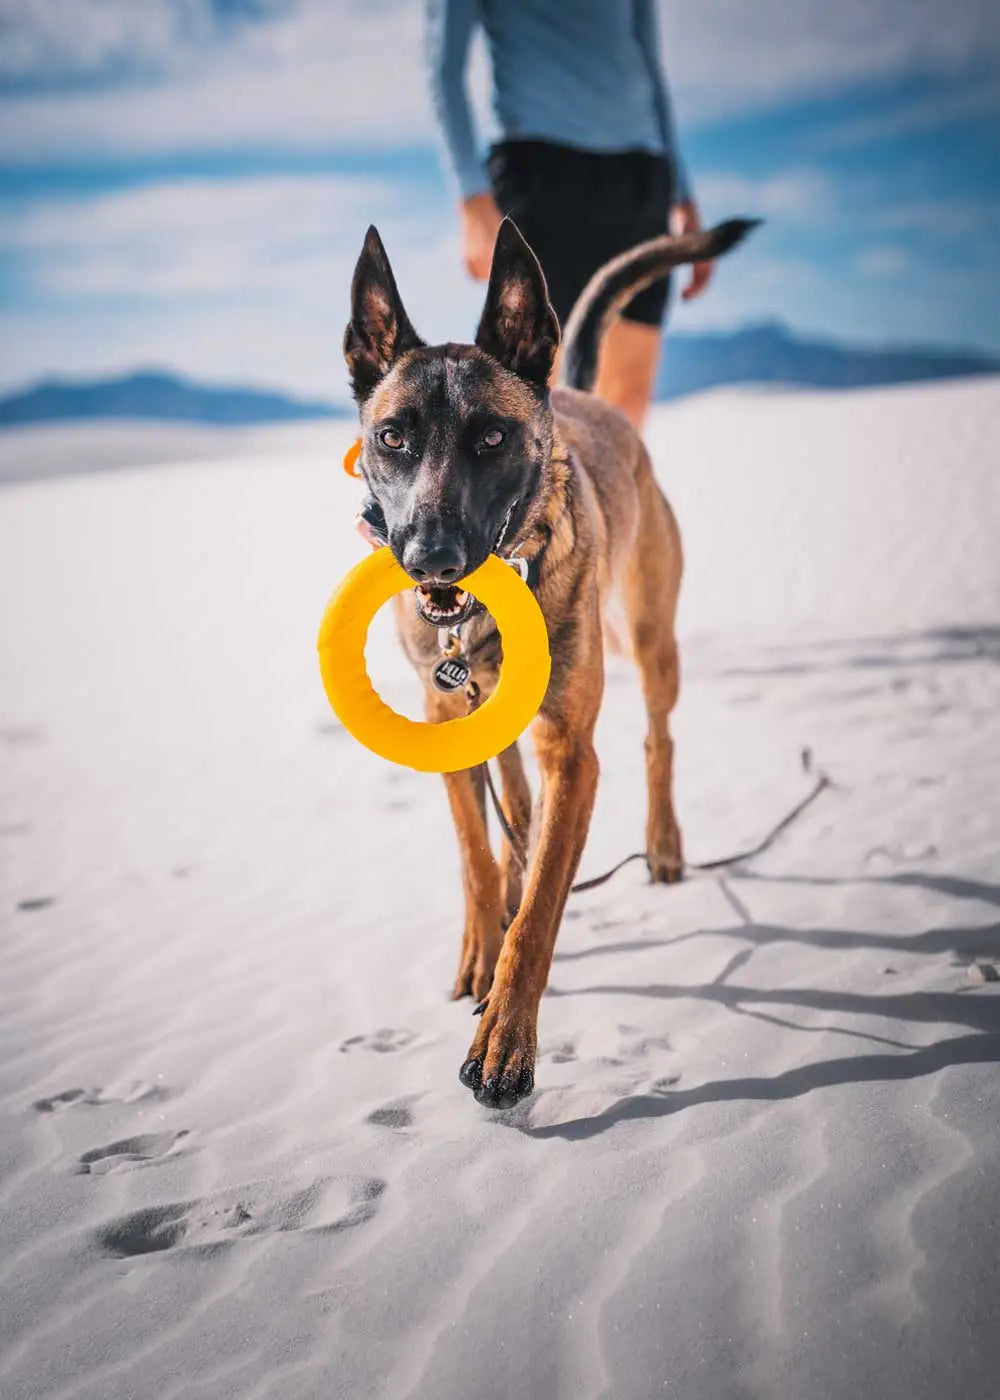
(760, 354)
(155, 395)
(769, 353)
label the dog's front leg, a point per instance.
(501, 1063)
(517, 809)
(483, 931)
(482, 934)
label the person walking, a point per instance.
(587, 164)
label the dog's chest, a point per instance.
(447, 662)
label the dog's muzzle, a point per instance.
(444, 605)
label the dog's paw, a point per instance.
(474, 983)
(664, 858)
(664, 870)
(480, 950)
(500, 1068)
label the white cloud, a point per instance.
(945, 218)
(797, 196)
(200, 238)
(753, 285)
(883, 262)
(726, 57)
(244, 278)
(972, 101)
(249, 281)
(329, 74)
(249, 278)
(321, 75)
(45, 42)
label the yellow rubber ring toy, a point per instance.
(456, 743)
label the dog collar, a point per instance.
(371, 523)
(529, 569)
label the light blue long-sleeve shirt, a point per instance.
(584, 73)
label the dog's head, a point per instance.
(456, 437)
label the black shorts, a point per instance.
(578, 209)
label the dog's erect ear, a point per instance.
(518, 326)
(379, 330)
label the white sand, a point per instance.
(762, 1158)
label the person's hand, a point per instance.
(481, 220)
(684, 218)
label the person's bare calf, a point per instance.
(626, 369)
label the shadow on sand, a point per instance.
(792, 1084)
(967, 1008)
(938, 646)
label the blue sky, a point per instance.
(187, 182)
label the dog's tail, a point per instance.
(615, 284)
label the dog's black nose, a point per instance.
(442, 563)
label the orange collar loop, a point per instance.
(351, 458)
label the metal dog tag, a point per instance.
(451, 674)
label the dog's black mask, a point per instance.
(455, 436)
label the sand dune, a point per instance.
(761, 1161)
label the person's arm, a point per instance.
(450, 24)
(647, 29)
(684, 216)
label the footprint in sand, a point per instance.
(66, 1099)
(303, 1210)
(35, 903)
(635, 1043)
(383, 1042)
(363, 1207)
(138, 1091)
(562, 1053)
(144, 1231)
(392, 1115)
(19, 736)
(130, 1152)
(275, 1216)
(209, 1227)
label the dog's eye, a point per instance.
(388, 437)
(493, 437)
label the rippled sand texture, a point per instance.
(762, 1160)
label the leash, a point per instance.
(453, 672)
(823, 781)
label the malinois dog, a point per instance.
(466, 452)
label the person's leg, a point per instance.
(626, 369)
(549, 191)
(630, 354)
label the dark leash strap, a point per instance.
(474, 699)
(821, 784)
(823, 781)
(473, 696)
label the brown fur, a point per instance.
(604, 528)
(611, 527)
